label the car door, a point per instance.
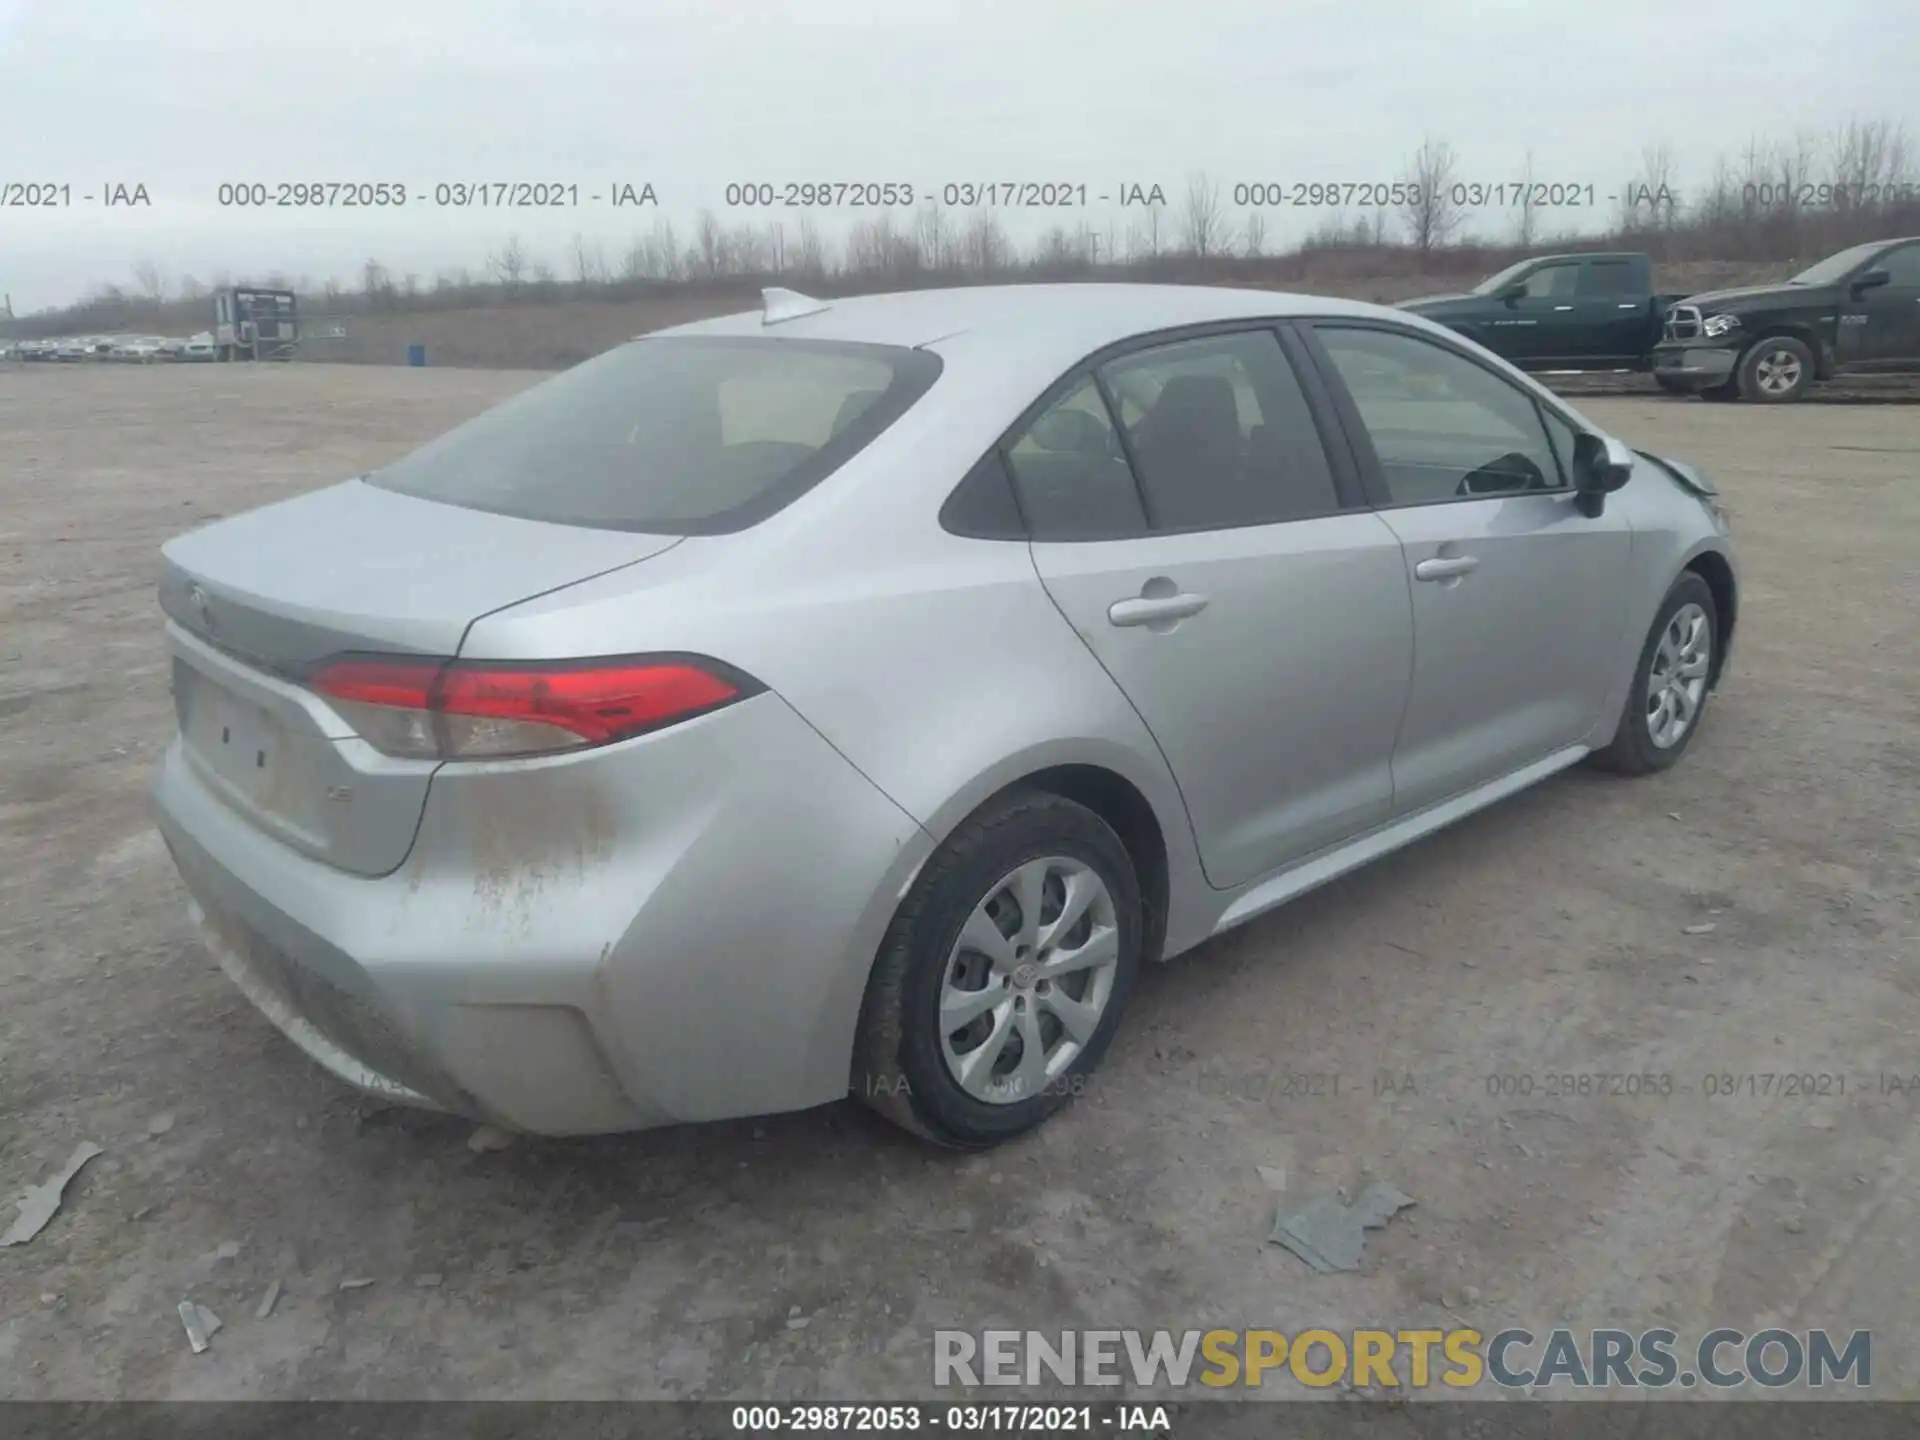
(1889, 336)
(1518, 599)
(1188, 521)
(1612, 312)
(1538, 324)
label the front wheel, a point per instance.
(1775, 371)
(1003, 976)
(1668, 695)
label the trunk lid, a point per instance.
(256, 601)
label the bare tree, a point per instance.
(1256, 238)
(709, 245)
(1150, 236)
(376, 283)
(589, 261)
(190, 288)
(1057, 251)
(1862, 159)
(1430, 211)
(879, 247)
(810, 254)
(1526, 215)
(1650, 201)
(1201, 218)
(665, 248)
(983, 248)
(1794, 167)
(936, 239)
(510, 263)
(152, 284)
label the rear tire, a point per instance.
(965, 931)
(1774, 371)
(1672, 680)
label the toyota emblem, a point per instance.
(202, 609)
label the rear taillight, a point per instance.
(481, 710)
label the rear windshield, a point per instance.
(672, 435)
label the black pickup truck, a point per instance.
(1561, 312)
(1857, 312)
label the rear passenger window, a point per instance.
(1220, 433)
(1071, 474)
(1608, 278)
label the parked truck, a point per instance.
(1594, 311)
(251, 323)
(1856, 312)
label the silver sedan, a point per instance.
(853, 695)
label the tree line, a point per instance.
(1776, 200)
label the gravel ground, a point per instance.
(1547, 937)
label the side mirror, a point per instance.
(1868, 279)
(1601, 465)
(1516, 291)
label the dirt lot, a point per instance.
(1546, 937)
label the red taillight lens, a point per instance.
(477, 710)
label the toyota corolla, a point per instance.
(854, 695)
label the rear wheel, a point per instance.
(1668, 695)
(1003, 976)
(1775, 371)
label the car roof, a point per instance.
(1062, 322)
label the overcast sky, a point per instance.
(689, 95)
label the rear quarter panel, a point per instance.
(936, 665)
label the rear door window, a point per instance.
(672, 435)
(1221, 433)
(1609, 279)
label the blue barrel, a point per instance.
(416, 354)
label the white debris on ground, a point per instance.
(41, 1202)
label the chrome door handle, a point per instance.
(1563, 307)
(1626, 305)
(1446, 567)
(1147, 611)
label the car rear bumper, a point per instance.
(677, 928)
(1696, 364)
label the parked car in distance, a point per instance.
(535, 775)
(74, 348)
(197, 347)
(1561, 312)
(137, 349)
(1855, 312)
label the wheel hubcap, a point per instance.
(1778, 371)
(1028, 980)
(1677, 679)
